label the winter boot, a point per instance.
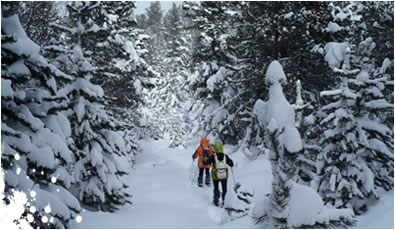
(216, 203)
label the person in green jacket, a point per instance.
(219, 171)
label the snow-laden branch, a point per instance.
(63, 28)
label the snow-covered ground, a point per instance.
(163, 196)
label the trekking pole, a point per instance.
(236, 185)
(194, 175)
(190, 173)
(233, 175)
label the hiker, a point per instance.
(219, 172)
(203, 151)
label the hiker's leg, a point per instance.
(223, 184)
(216, 192)
(208, 176)
(200, 178)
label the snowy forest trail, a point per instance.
(164, 197)
(162, 188)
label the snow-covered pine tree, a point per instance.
(35, 18)
(371, 108)
(156, 44)
(34, 132)
(345, 179)
(120, 66)
(277, 117)
(167, 104)
(155, 48)
(176, 37)
(287, 31)
(280, 209)
(362, 119)
(371, 112)
(305, 162)
(117, 57)
(246, 32)
(103, 156)
(217, 109)
(176, 70)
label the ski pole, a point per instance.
(194, 175)
(233, 175)
(190, 173)
(236, 185)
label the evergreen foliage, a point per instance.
(102, 155)
(34, 132)
(167, 101)
(283, 140)
(35, 18)
(344, 176)
(83, 81)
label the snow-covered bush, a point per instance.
(306, 210)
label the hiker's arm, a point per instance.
(195, 154)
(229, 161)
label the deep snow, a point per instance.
(163, 196)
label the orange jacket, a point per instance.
(199, 152)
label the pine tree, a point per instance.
(282, 154)
(115, 57)
(34, 132)
(172, 93)
(372, 111)
(36, 17)
(378, 138)
(154, 29)
(305, 162)
(233, 55)
(120, 66)
(345, 179)
(359, 110)
(103, 155)
(177, 42)
(277, 117)
(214, 80)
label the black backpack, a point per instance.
(206, 152)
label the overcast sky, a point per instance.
(141, 5)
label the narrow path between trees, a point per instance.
(163, 195)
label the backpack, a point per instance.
(221, 169)
(206, 152)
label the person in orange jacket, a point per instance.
(203, 151)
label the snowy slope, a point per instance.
(164, 198)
